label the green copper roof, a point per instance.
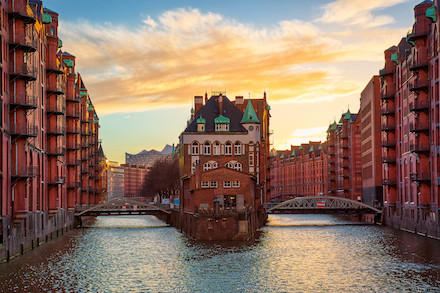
(46, 18)
(431, 13)
(192, 110)
(293, 153)
(68, 62)
(60, 43)
(311, 149)
(89, 108)
(341, 120)
(395, 58)
(347, 115)
(282, 156)
(95, 121)
(82, 94)
(222, 119)
(333, 126)
(249, 115)
(267, 107)
(201, 120)
(300, 147)
(320, 147)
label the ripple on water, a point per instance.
(294, 253)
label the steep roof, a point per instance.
(211, 110)
(249, 115)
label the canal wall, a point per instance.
(218, 227)
(31, 230)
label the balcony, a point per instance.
(411, 37)
(20, 10)
(54, 67)
(56, 151)
(56, 108)
(73, 146)
(23, 41)
(73, 130)
(57, 87)
(389, 159)
(75, 98)
(389, 182)
(418, 126)
(73, 113)
(419, 105)
(388, 126)
(385, 71)
(388, 143)
(344, 144)
(73, 162)
(24, 130)
(419, 147)
(85, 169)
(86, 132)
(85, 188)
(345, 173)
(387, 109)
(24, 171)
(420, 177)
(23, 71)
(56, 130)
(23, 101)
(419, 84)
(387, 96)
(73, 184)
(419, 64)
(58, 179)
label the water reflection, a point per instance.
(294, 253)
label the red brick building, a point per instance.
(371, 151)
(300, 171)
(134, 177)
(410, 126)
(344, 157)
(224, 166)
(48, 125)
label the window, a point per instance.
(200, 127)
(52, 31)
(237, 148)
(214, 165)
(235, 183)
(228, 148)
(207, 148)
(216, 149)
(227, 184)
(251, 159)
(207, 166)
(195, 148)
(238, 166)
(193, 168)
(213, 184)
(205, 184)
(251, 146)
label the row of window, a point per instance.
(215, 149)
(214, 165)
(226, 184)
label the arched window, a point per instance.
(228, 148)
(238, 166)
(52, 31)
(216, 149)
(237, 148)
(207, 148)
(207, 166)
(195, 148)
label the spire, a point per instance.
(249, 115)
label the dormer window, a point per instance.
(222, 123)
(201, 124)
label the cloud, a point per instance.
(357, 12)
(308, 132)
(182, 53)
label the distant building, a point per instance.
(134, 178)
(147, 158)
(300, 171)
(116, 181)
(371, 143)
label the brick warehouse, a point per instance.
(300, 171)
(50, 161)
(224, 166)
(410, 126)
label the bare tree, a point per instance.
(162, 179)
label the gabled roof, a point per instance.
(222, 119)
(210, 111)
(249, 115)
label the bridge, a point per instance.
(124, 206)
(321, 205)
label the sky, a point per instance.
(143, 61)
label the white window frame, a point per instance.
(237, 148)
(227, 184)
(201, 127)
(207, 148)
(194, 148)
(235, 184)
(251, 159)
(207, 166)
(228, 148)
(213, 184)
(205, 184)
(238, 166)
(216, 148)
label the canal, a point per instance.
(293, 253)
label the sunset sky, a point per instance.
(143, 61)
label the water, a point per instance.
(294, 253)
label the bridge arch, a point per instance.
(330, 203)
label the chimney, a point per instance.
(239, 103)
(206, 97)
(220, 104)
(198, 103)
